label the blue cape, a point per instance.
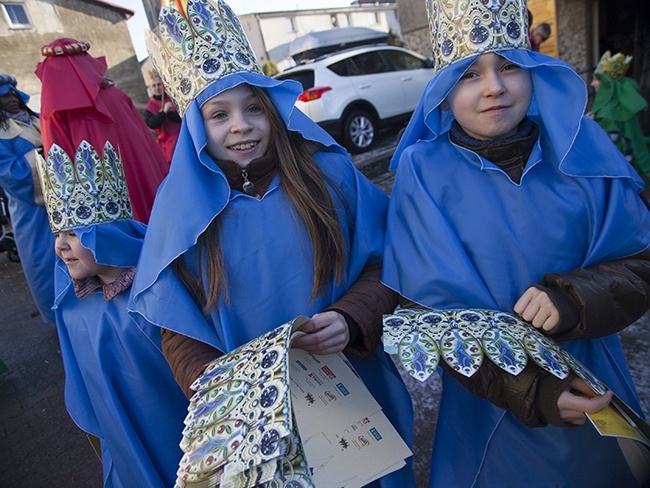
(32, 232)
(266, 251)
(118, 385)
(462, 234)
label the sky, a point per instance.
(138, 23)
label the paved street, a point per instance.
(41, 447)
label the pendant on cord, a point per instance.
(248, 186)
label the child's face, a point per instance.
(595, 83)
(236, 126)
(10, 102)
(80, 260)
(491, 98)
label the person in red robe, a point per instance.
(161, 115)
(78, 103)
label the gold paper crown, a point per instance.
(198, 43)
(463, 28)
(615, 66)
(91, 190)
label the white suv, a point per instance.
(355, 92)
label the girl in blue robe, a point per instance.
(262, 218)
(464, 233)
(118, 385)
(19, 138)
(267, 253)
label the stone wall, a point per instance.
(103, 26)
(575, 35)
(412, 15)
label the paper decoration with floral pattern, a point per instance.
(462, 338)
(239, 431)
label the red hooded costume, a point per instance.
(78, 104)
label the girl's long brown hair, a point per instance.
(306, 187)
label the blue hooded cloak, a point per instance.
(34, 239)
(118, 385)
(267, 252)
(462, 234)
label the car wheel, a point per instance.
(359, 131)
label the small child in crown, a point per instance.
(616, 106)
(118, 386)
(508, 198)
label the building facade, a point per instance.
(27, 25)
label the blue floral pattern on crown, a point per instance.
(85, 191)
(463, 28)
(198, 45)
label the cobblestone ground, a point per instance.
(41, 447)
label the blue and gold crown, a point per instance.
(87, 191)
(615, 66)
(198, 42)
(463, 28)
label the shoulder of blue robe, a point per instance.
(158, 294)
(619, 223)
(15, 171)
(365, 208)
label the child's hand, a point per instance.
(326, 333)
(536, 307)
(578, 399)
(168, 107)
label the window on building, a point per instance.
(16, 15)
(291, 24)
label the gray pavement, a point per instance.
(41, 447)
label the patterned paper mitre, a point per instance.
(198, 42)
(87, 191)
(615, 66)
(463, 28)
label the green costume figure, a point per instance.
(615, 108)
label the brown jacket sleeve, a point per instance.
(593, 302)
(531, 396)
(187, 358)
(363, 306)
(607, 297)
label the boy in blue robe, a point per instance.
(118, 386)
(507, 198)
(263, 218)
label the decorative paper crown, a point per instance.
(615, 66)
(460, 29)
(198, 43)
(91, 190)
(70, 47)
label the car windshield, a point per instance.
(304, 77)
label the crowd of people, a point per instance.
(154, 256)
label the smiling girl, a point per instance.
(263, 218)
